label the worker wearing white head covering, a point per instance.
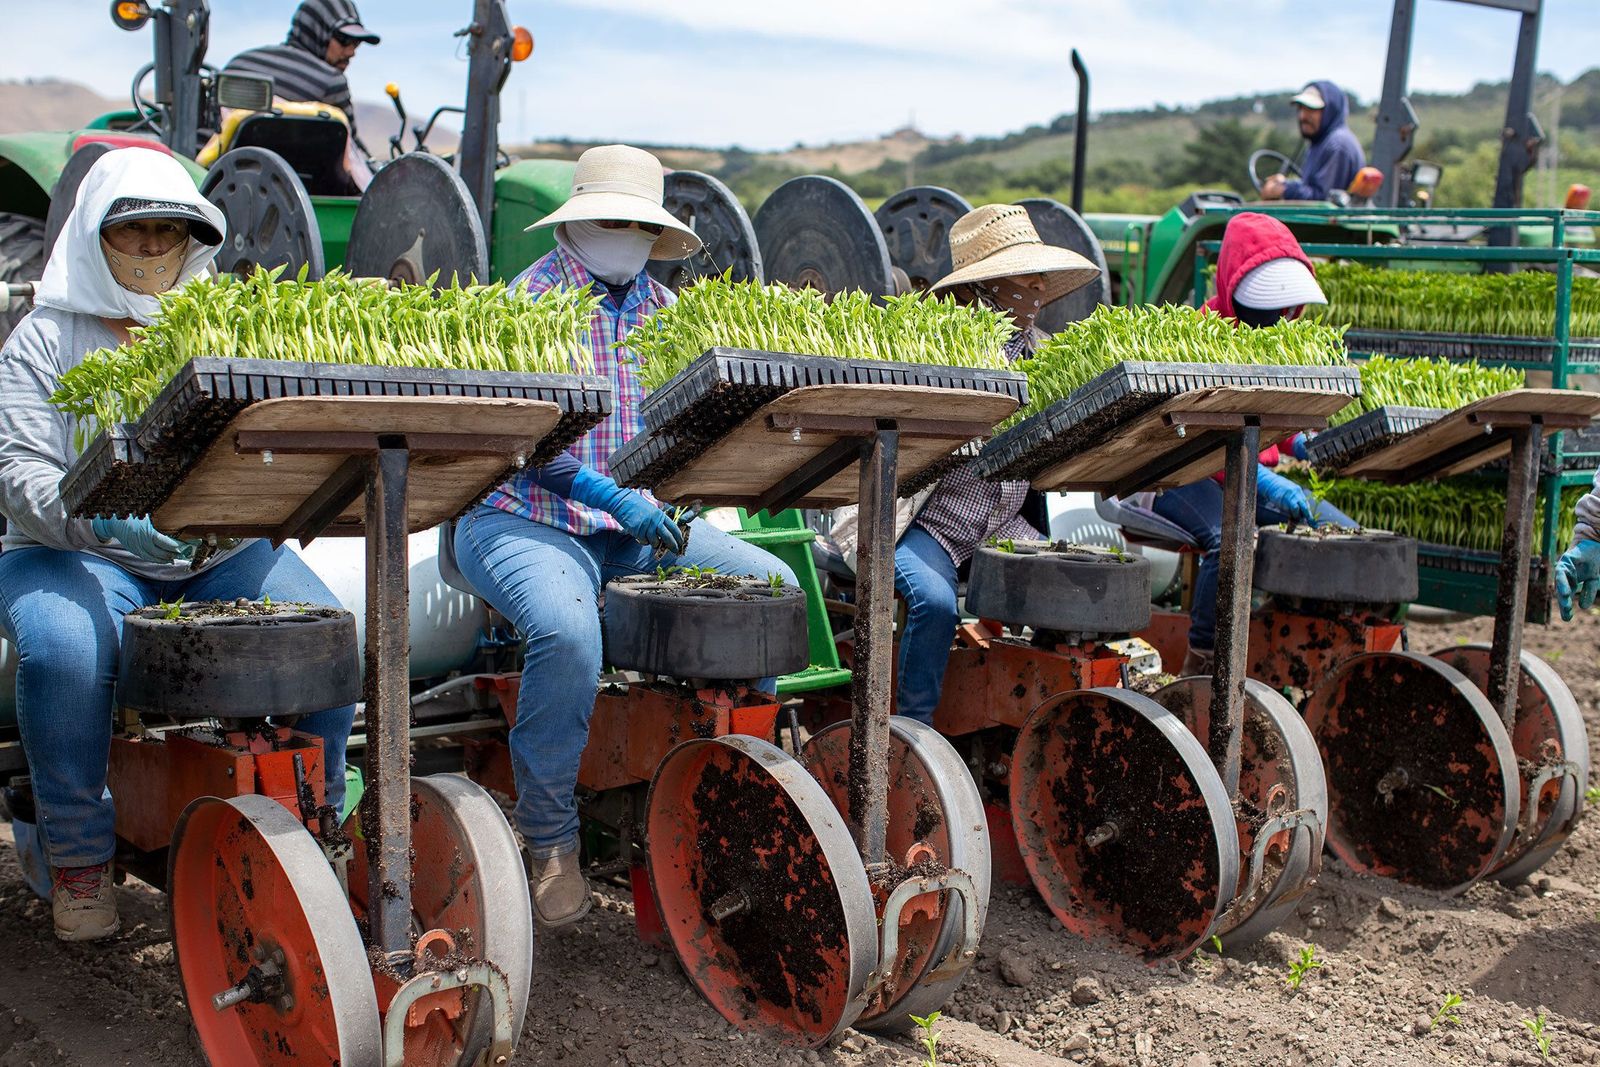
(139, 227)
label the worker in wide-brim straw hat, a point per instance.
(542, 545)
(998, 262)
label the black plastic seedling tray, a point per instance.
(1366, 433)
(1125, 392)
(724, 386)
(1485, 349)
(133, 468)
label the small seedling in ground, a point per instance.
(1216, 944)
(1303, 966)
(1592, 794)
(1555, 654)
(775, 582)
(1447, 1011)
(1540, 1038)
(930, 1037)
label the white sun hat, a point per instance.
(1279, 283)
(619, 182)
(999, 241)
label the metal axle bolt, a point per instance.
(266, 457)
(729, 905)
(1103, 834)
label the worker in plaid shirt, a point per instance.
(542, 546)
(1000, 262)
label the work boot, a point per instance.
(560, 894)
(83, 903)
(1197, 661)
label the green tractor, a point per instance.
(281, 182)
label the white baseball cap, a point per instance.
(1311, 97)
(1279, 283)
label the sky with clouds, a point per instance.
(766, 74)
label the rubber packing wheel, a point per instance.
(467, 878)
(933, 804)
(244, 873)
(736, 821)
(1280, 771)
(1098, 758)
(1422, 779)
(1549, 728)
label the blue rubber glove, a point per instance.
(140, 537)
(1282, 495)
(644, 521)
(1298, 443)
(1578, 572)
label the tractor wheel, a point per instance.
(21, 260)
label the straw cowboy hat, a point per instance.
(999, 241)
(618, 182)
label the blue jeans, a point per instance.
(64, 611)
(1198, 509)
(925, 575)
(547, 582)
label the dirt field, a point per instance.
(1390, 958)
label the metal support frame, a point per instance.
(488, 67)
(874, 648)
(1237, 568)
(182, 30)
(1511, 599)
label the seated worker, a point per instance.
(1262, 276)
(543, 545)
(138, 228)
(309, 67)
(999, 262)
(1578, 570)
(1334, 156)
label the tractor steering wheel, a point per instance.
(1285, 165)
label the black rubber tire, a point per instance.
(298, 660)
(21, 260)
(739, 634)
(1365, 568)
(1075, 590)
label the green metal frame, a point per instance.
(1440, 586)
(785, 535)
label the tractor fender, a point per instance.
(31, 164)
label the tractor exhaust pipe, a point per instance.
(1080, 133)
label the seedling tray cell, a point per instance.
(1367, 433)
(1485, 349)
(1123, 393)
(724, 386)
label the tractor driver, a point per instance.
(138, 229)
(543, 545)
(1334, 156)
(1262, 277)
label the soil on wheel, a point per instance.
(21, 260)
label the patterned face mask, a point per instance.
(147, 275)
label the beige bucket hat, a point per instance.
(999, 241)
(616, 181)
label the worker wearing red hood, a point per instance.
(1262, 277)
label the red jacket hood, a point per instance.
(1250, 240)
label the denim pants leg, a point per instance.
(256, 571)
(547, 582)
(1198, 509)
(64, 613)
(925, 575)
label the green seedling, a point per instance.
(929, 1037)
(1592, 795)
(1522, 304)
(171, 612)
(1304, 965)
(1426, 383)
(1216, 944)
(1541, 1039)
(266, 602)
(1442, 793)
(1555, 654)
(1007, 545)
(775, 583)
(1447, 1011)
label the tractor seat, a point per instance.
(314, 145)
(1141, 526)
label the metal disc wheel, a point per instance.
(935, 816)
(415, 219)
(916, 226)
(467, 878)
(761, 889)
(1123, 821)
(65, 194)
(710, 209)
(253, 899)
(815, 233)
(1282, 803)
(1422, 779)
(1062, 227)
(269, 215)
(1551, 742)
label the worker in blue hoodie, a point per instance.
(1335, 153)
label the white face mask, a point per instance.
(615, 256)
(147, 275)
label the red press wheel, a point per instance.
(258, 914)
(1123, 821)
(1422, 779)
(936, 822)
(1281, 792)
(1549, 734)
(761, 889)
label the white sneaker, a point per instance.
(83, 903)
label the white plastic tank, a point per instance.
(1074, 518)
